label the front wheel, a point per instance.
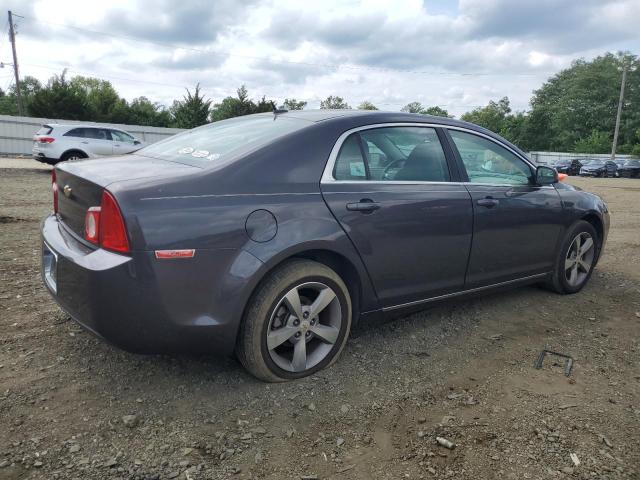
(577, 258)
(296, 323)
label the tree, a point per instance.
(437, 112)
(366, 105)
(240, 105)
(60, 99)
(192, 111)
(143, 111)
(413, 107)
(8, 101)
(596, 142)
(583, 98)
(293, 104)
(102, 99)
(334, 103)
(492, 117)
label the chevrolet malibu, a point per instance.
(270, 235)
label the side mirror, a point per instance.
(137, 142)
(546, 175)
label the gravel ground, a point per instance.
(73, 407)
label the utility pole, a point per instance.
(12, 37)
(625, 67)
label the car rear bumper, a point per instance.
(145, 305)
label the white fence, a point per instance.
(550, 158)
(16, 133)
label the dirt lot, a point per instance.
(72, 406)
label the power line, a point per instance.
(287, 62)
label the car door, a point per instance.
(391, 189)
(99, 141)
(516, 224)
(123, 142)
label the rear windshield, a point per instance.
(210, 144)
(44, 130)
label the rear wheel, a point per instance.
(73, 155)
(296, 323)
(577, 258)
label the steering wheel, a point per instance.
(390, 166)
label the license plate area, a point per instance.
(50, 267)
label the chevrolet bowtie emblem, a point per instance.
(67, 191)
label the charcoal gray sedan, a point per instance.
(270, 235)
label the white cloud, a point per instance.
(438, 52)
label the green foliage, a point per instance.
(293, 104)
(437, 112)
(60, 99)
(492, 117)
(334, 103)
(413, 107)
(192, 111)
(8, 101)
(366, 105)
(582, 99)
(596, 142)
(240, 105)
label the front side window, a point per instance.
(488, 162)
(392, 154)
(121, 136)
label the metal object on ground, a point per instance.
(567, 366)
(445, 443)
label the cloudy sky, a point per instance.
(454, 53)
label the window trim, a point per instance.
(328, 178)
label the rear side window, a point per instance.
(76, 132)
(410, 154)
(44, 130)
(220, 140)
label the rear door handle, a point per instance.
(488, 202)
(85, 142)
(365, 205)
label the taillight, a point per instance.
(92, 225)
(54, 189)
(104, 225)
(45, 139)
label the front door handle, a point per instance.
(366, 205)
(488, 202)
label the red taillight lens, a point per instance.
(92, 225)
(104, 225)
(45, 139)
(113, 235)
(54, 189)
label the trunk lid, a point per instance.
(80, 184)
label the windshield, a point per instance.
(211, 143)
(632, 163)
(596, 163)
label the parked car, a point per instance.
(562, 166)
(269, 235)
(630, 169)
(577, 164)
(599, 168)
(55, 142)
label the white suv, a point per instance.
(55, 143)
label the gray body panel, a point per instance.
(247, 216)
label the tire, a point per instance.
(562, 280)
(270, 314)
(72, 155)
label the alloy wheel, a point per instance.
(304, 326)
(577, 264)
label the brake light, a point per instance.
(104, 225)
(45, 139)
(54, 189)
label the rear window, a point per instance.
(211, 143)
(44, 130)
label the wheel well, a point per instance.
(74, 150)
(595, 221)
(343, 267)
